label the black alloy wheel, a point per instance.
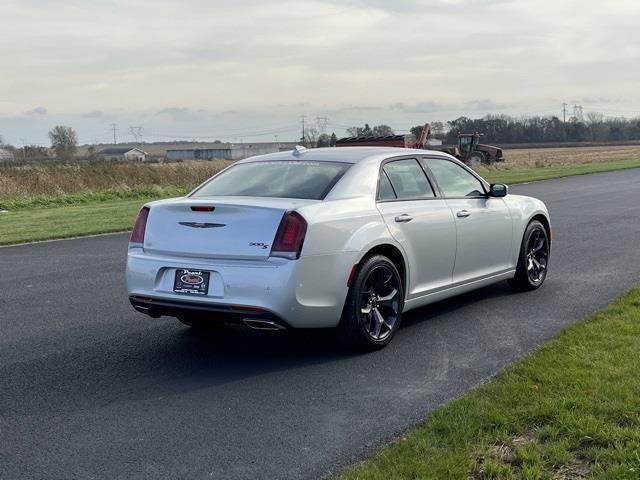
(533, 260)
(379, 302)
(373, 309)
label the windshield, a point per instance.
(281, 179)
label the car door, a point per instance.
(421, 222)
(483, 223)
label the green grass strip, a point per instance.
(522, 175)
(571, 409)
(71, 221)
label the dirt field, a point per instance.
(543, 157)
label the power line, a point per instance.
(137, 132)
(322, 124)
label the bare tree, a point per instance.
(382, 131)
(311, 135)
(598, 129)
(360, 131)
(64, 141)
(594, 118)
(34, 151)
(352, 131)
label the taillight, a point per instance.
(137, 234)
(290, 236)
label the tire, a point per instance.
(533, 260)
(377, 287)
(476, 159)
(202, 323)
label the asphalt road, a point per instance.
(91, 389)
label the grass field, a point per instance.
(38, 199)
(570, 410)
(70, 221)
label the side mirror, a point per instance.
(498, 190)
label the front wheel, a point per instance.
(373, 309)
(533, 260)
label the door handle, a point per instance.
(405, 217)
(463, 213)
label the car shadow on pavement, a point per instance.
(168, 359)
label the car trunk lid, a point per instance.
(216, 227)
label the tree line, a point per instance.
(594, 127)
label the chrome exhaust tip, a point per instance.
(258, 324)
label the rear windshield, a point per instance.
(284, 179)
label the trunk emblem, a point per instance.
(202, 224)
(263, 246)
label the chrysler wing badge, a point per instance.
(201, 224)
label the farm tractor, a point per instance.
(469, 149)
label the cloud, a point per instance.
(420, 107)
(354, 61)
(486, 105)
(93, 114)
(182, 114)
(37, 111)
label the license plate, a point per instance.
(194, 282)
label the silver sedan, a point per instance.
(338, 237)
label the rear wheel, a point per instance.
(476, 159)
(373, 309)
(533, 260)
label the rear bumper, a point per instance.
(218, 312)
(306, 293)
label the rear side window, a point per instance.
(408, 179)
(385, 191)
(278, 179)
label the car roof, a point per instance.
(341, 154)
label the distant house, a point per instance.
(122, 153)
(6, 154)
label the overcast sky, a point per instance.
(249, 68)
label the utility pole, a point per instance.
(114, 126)
(564, 112)
(302, 117)
(277, 142)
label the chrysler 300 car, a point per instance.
(338, 237)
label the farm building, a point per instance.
(6, 154)
(226, 151)
(122, 153)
